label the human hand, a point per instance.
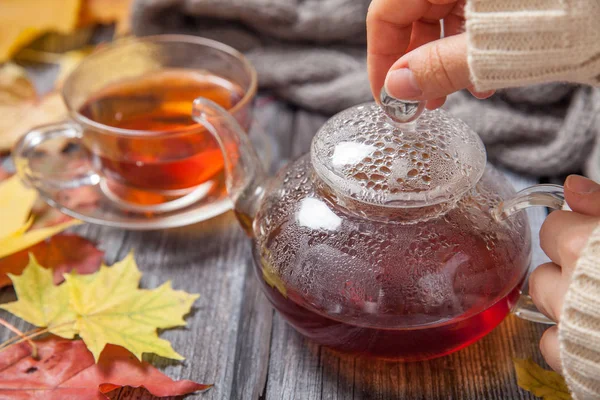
(563, 236)
(403, 37)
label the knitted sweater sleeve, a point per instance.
(579, 327)
(521, 42)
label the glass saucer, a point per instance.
(98, 204)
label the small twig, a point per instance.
(34, 350)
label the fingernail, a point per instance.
(581, 185)
(402, 84)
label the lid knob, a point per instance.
(400, 111)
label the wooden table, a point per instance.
(235, 340)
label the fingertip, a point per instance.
(547, 291)
(564, 234)
(582, 195)
(378, 66)
(376, 83)
(581, 185)
(481, 95)
(550, 349)
(375, 92)
(402, 84)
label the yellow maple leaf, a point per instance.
(16, 201)
(541, 382)
(40, 302)
(107, 307)
(21, 21)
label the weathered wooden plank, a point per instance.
(302, 370)
(253, 342)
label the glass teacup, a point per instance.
(131, 134)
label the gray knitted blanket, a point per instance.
(312, 53)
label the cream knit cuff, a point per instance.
(521, 42)
(579, 328)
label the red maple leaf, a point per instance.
(62, 253)
(65, 370)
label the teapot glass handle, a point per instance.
(551, 196)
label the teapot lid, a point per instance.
(392, 155)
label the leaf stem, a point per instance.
(34, 350)
(33, 335)
(12, 339)
(27, 336)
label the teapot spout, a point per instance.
(244, 172)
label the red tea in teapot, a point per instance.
(410, 344)
(424, 316)
(176, 153)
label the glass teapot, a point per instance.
(392, 238)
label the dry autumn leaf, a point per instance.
(128, 317)
(19, 106)
(543, 383)
(61, 253)
(66, 370)
(106, 12)
(22, 21)
(16, 202)
(15, 86)
(27, 116)
(16, 91)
